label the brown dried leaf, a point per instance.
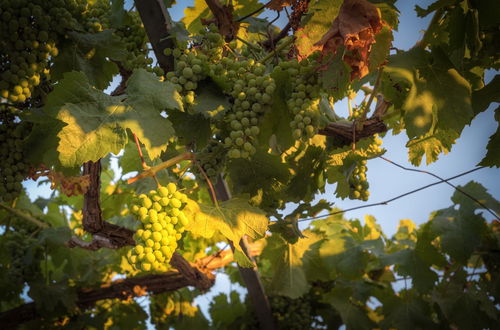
(279, 4)
(69, 185)
(355, 27)
(140, 290)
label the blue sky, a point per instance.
(386, 180)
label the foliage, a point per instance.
(229, 107)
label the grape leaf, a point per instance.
(233, 219)
(408, 311)
(210, 101)
(265, 171)
(91, 53)
(147, 97)
(224, 312)
(191, 128)
(492, 158)
(423, 77)
(343, 256)
(118, 13)
(389, 13)
(96, 123)
(421, 12)
(460, 233)
(309, 177)
(353, 316)
(467, 307)
(467, 205)
(274, 125)
(380, 49)
(336, 76)
(408, 263)
(482, 98)
(130, 161)
(288, 275)
(430, 145)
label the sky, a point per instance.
(386, 180)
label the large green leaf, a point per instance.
(380, 49)
(210, 101)
(288, 275)
(91, 53)
(431, 145)
(492, 158)
(406, 311)
(460, 233)
(436, 95)
(336, 75)
(264, 172)
(96, 123)
(275, 124)
(224, 311)
(475, 189)
(353, 315)
(191, 128)
(233, 219)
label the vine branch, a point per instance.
(151, 171)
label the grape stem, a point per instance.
(24, 216)
(210, 186)
(276, 50)
(143, 162)
(151, 171)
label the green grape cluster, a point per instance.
(211, 159)
(212, 43)
(304, 101)
(162, 225)
(251, 90)
(189, 69)
(13, 168)
(30, 32)
(292, 313)
(17, 245)
(132, 34)
(357, 182)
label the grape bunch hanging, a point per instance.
(13, 168)
(357, 182)
(162, 225)
(304, 101)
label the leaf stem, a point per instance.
(24, 216)
(210, 186)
